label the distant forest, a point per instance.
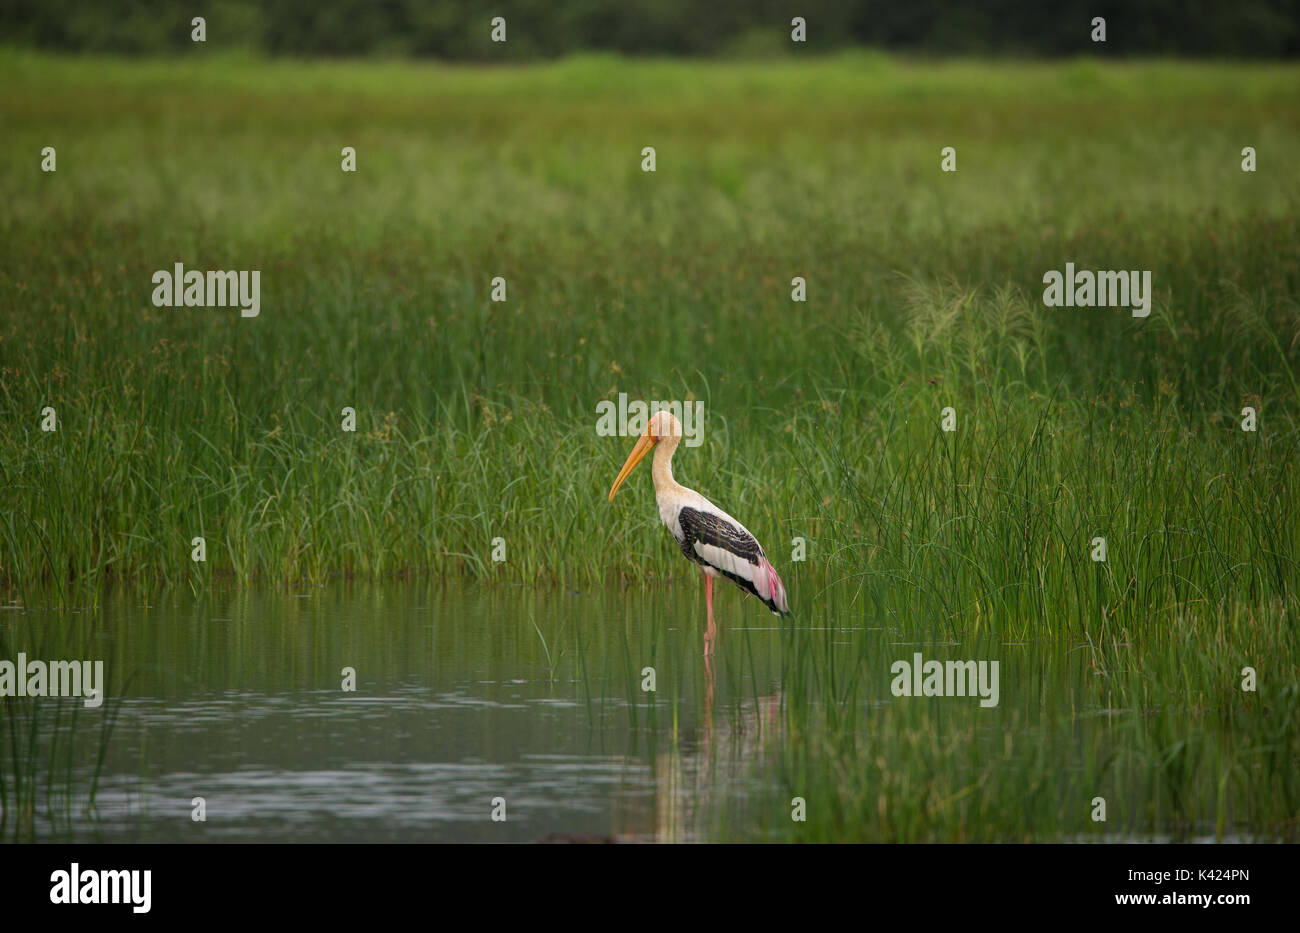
(459, 29)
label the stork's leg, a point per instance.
(708, 695)
(712, 632)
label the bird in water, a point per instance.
(722, 546)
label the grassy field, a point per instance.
(476, 419)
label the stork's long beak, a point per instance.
(643, 445)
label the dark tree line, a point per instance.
(459, 29)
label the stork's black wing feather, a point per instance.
(707, 528)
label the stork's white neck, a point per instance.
(662, 467)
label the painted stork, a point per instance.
(722, 546)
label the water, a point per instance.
(462, 696)
(476, 698)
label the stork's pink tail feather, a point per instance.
(776, 588)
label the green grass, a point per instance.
(477, 420)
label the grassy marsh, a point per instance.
(476, 419)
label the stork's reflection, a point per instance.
(714, 756)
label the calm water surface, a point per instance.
(467, 696)
(462, 696)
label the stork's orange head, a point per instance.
(663, 426)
